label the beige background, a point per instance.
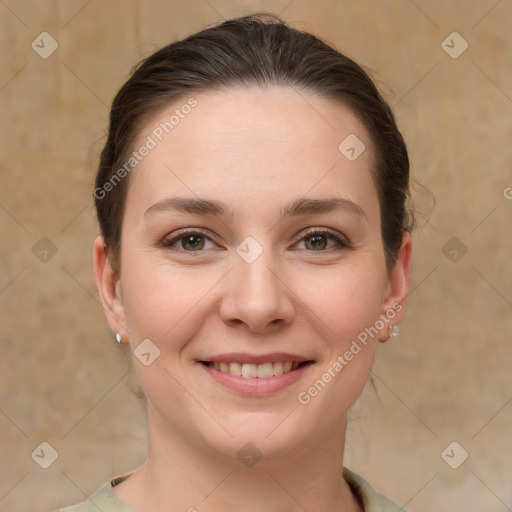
(446, 378)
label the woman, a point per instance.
(254, 247)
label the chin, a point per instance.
(256, 437)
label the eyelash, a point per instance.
(342, 242)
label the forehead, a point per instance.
(249, 143)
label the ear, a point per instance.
(109, 288)
(397, 290)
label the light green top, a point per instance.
(105, 500)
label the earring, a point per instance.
(394, 331)
(118, 338)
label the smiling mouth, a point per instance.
(259, 371)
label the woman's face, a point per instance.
(251, 244)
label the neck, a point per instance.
(180, 475)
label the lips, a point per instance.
(256, 374)
(256, 366)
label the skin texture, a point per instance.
(255, 150)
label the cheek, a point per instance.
(347, 303)
(346, 300)
(163, 302)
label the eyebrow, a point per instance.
(307, 206)
(296, 208)
(190, 205)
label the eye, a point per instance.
(323, 239)
(189, 241)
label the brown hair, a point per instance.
(258, 49)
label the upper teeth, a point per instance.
(250, 370)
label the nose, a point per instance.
(257, 297)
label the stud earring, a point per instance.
(394, 331)
(118, 338)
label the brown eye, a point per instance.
(316, 242)
(323, 240)
(192, 242)
(189, 241)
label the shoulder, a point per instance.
(103, 499)
(370, 498)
